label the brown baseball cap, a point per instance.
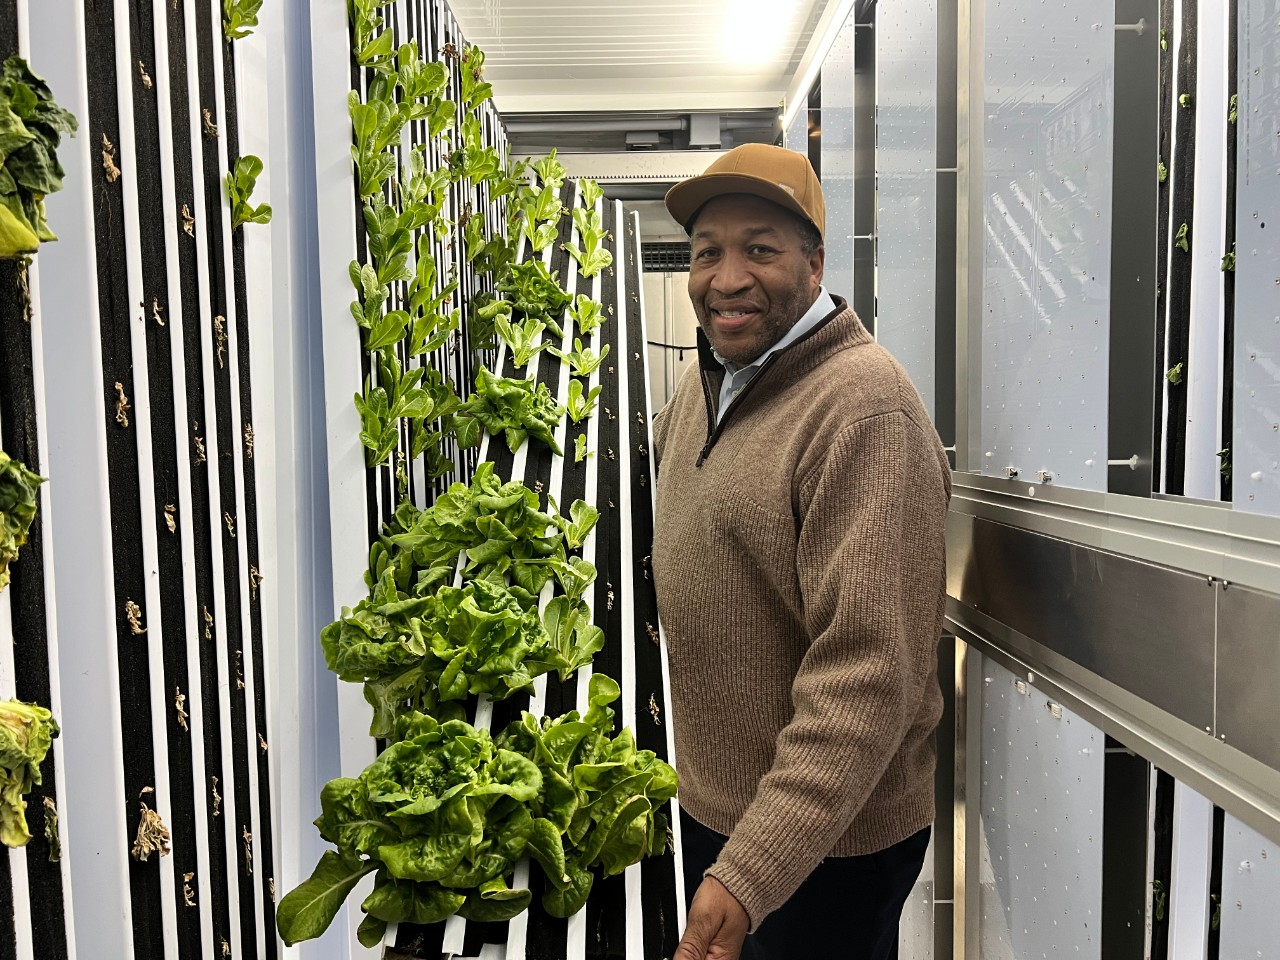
(773, 173)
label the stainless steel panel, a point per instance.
(1041, 844)
(1249, 672)
(1256, 405)
(906, 158)
(1149, 629)
(1250, 925)
(836, 161)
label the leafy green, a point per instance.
(398, 394)
(533, 291)
(18, 502)
(580, 522)
(240, 184)
(373, 46)
(1229, 260)
(1174, 374)
(474, 90)
(587, 314)
(580, 451)
(26, 733)
(523, 339)
(582, 361)
(591, 257)
(238, 17)
(591, 192)
(517, 408)
(580, 405)
(550, 171)
(1224, 461)
(1233, 108)
(1162, 172)
(1181, 239)
(599, 794)
(31, 128)
(441, 816)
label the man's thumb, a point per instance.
(695, 942)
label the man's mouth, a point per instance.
(732, 318)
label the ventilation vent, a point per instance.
(665, 257)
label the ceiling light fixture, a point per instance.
(756, 30)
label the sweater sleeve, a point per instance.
(860, 682)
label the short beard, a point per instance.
(777, 322)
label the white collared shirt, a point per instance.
(735, 377)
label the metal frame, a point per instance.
(1213, 541)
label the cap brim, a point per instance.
(687, 198)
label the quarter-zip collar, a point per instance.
(709, 364)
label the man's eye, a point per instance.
(704, 254)
(760, 251)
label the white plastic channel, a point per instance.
(1208, 240)
(182, 438)
(1189, 881)
(256, 71)
(634, 231)
(50, 597)
(91, 794)
(230, 812)
(143, 440)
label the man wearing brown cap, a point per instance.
(798, 556)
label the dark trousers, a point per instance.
(848, 908)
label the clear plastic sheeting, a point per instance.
(907, 112)
(1256, 453)
(1249, 922)
(1041, 825)
(1047, 239)
(836, 161)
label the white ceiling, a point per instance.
(610, 55)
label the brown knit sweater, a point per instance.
(799, 563)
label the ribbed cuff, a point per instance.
(751, 887)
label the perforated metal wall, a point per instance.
(1041, 818)
(1047, 231)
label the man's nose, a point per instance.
(732, 275)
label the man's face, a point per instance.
(749, 279)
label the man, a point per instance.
(798, 557)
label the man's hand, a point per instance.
(717, 925)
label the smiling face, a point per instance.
(749, 278)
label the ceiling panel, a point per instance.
(633, 55)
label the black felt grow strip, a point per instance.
(1165, 156)
(1182, 185)
(164, 457)
(657, 888)
(213, 887)
(1229, 279)
(263, 841)
(207, 47)
(115, 316)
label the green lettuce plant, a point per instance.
(591, 256)
(240, 184)
(31, 128)
(444, 814)
(583, 361)
(18, 502)
(239, 17)
(516, 409)
(581, 404)
(26, 733)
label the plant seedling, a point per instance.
(240, 184)
(239, 17)
(1229, 260)
(1174, 374)
(582, 362)
(1181, 239)
(580, 451)
(580, 404)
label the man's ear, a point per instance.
(817, 263)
